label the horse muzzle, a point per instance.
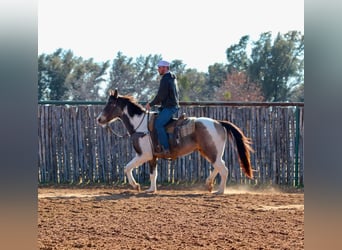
(102, 121)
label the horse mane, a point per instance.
(133, 107)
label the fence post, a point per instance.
(296, 145)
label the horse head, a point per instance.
(111, 111)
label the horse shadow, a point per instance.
(143, 195)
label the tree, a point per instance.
(178, 67)
(191, 85)
(274, 67)
(43, 79)
(53, 71)
(278, 67)
(237, 88)
(147, 79)
(85, 80)
(134, 77)
(237, 56)
(215, 79)
(63, 76)
(297, 94)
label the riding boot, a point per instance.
(165, 153)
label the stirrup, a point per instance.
(163, 154)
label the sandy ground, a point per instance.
(174, 218)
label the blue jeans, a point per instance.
(164, 116)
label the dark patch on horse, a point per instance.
(128, 124)
(111, 111)
(153, 164)
(135, 140)
(133, 108)
(207, 148)
(186, 145)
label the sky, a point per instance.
(198, 32)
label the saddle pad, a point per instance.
(186, 128)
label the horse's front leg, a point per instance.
(153, 176)
(134, 163)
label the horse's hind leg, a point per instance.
(223, 170)
(219, 167)
(210, 180)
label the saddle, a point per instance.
(176, 129)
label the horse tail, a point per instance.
(243, 145)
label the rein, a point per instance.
(127, 134)
(140, 123)
(109, 129)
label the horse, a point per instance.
(208, 137)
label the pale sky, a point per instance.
(198, 32)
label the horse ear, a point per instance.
(113, 93)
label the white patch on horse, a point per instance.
(136, 121)
(146, 147)
(153, 179)
(138, 160)
(139, 124)
(212, 130)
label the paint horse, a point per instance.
(209, 138)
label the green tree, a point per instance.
(84, 82)
(237, 56)
(191, 85)
(43, 79)
(178, 67)
(137, 77)
(216, 77)
(297, 94)
(53, 71)
(63, 76)
(190, 81)
(147, 79)
(278, 67)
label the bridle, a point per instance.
(135, 134)
(128, 134)
(109, 129)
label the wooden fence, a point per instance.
(74, 149)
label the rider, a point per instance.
(167, 96)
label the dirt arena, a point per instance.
(177, 217)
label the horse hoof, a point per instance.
(151, 191)
(210, 187)
(137, 187)
(218, 192)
